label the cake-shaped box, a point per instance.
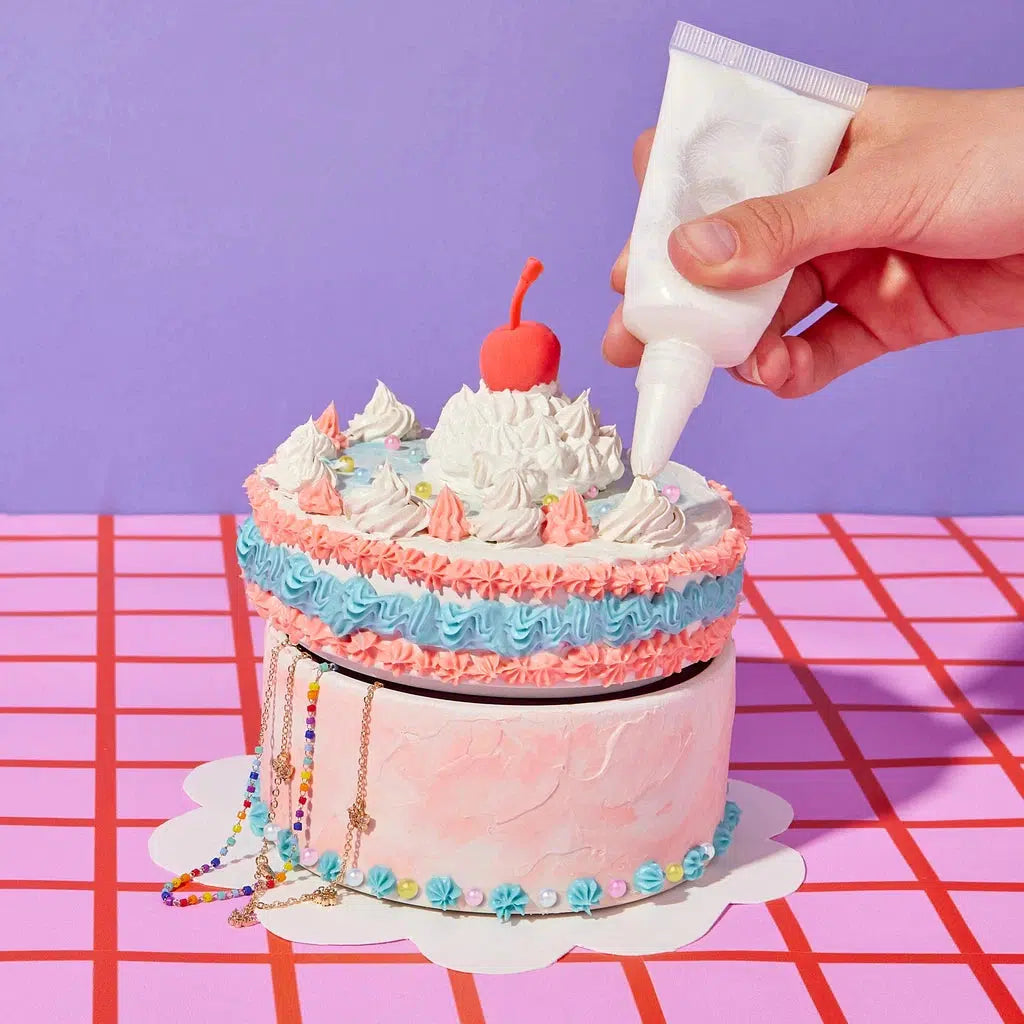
(514, 658)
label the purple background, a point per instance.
(218, 216)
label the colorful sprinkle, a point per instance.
(547, 898)
(407, 889)
(423, 489)
(346, 464)
(671, 492)
(674, 872)
(617, 888)
(474, 897)
(392, 443)
(354, 877)
(549, 499)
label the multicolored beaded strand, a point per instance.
(251, 791)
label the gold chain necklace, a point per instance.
(282, 770)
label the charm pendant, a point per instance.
(283, 769)
(325, 896)
(358, 819)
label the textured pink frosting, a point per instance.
(448, 517)
(659, 655)
(534, 794)
(567, 521)
(320, 498)
(488, 578)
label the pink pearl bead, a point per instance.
(617, 888)
(308, 857)
(671, 492)
(474, 897)
(591, 492)
(392, 443)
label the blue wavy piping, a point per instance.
(511, 630)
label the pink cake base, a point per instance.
(537, 795)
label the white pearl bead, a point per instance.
(272, 831)
(547, 898)
(708, 850)
(354, 877)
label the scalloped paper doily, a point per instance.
(755, 869)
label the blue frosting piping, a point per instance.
(442, 892)
(259, 817)
(511, 630)
(381, 880)
(583, 894)
(507, 900)
(649, 878)
(329, 865)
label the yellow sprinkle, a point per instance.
(423, 489)
(407, 889)
(346, 464)
(674, 872)
(549, 499)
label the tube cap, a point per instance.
(671, 383)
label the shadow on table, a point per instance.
(927, 740)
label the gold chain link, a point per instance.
(359, 821)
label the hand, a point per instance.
(916, 234)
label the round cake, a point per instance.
(568, 806)
(515, 658)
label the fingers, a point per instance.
(765, 366)
(619, 270)
(642, 154)
(641, 157)
(619, 347)
(760, 239)
(798, 365)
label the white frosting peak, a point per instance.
(551, 442)
(388, 507)
(645, 516)
(299, 459)
(509, 515)
(384, 415)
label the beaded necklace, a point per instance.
(282, 772)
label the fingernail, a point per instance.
(748, 371)
(711, 241)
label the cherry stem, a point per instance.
(530, 273)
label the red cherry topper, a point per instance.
(525, 353)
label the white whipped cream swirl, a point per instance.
(551, 442)
(388, 507)
(300, 458)
(645, 516)
(384, 415)
(509, 516)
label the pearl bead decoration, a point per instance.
(617, 888)
(308, 857)
(354, 878)
(547, 898)
(392, 443)
(474, 897)
(671, 492)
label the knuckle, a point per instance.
(774, 226)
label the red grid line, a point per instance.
(880, 804)
(282, 962)
(105, 833)
(808, 963)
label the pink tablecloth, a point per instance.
(881, 691)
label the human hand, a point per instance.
(916, 234)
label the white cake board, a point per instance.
(754, 870)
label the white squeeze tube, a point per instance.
(735, 122)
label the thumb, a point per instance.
(760, 239)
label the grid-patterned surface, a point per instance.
(881, 690)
